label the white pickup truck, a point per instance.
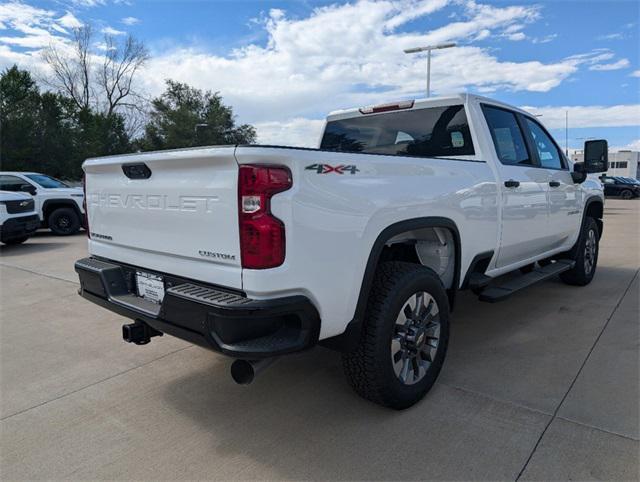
(18, 218)
(360, 245)
(59, 206)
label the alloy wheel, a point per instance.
(416, 337)
(590, 247)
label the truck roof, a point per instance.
(461, 98)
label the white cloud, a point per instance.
(517, 36)
(338, 56)
(483, 34)
(513, 32)
(88, 3)
(31, 29)
(69, 20)
(545, 39)
(130, 21)
(611, 36)
(620, 64)
(299, 132)
(635, 73)
(516, 27)
(112, 31)
(351, 54)
(632, 146)
(20, 16)
(588, 116)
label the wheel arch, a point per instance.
(350, 337)
(50, 205)
(594, 208)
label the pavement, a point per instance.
(543, 386)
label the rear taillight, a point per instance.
(262, 241)
(84, 204)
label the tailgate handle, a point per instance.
(138, 170)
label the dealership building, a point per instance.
(621, 163)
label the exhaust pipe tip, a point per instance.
(242, 372)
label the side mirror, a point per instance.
(29, 188)
(596, 156)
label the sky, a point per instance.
(283, 65)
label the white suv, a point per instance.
(59, 206)
(18, 219)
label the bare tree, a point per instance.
(121, 62)
(72, 67)
(107, 88)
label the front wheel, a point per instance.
(626, 194)
(64, 221)
(586, 256)
(404, 339)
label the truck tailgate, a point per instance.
(181, 219)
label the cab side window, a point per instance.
(13, 183)
(548, 153)
(507, 136)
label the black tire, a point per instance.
(370, 367)
(20, 240)
(626, 194)
(64, 221)
(586, 256)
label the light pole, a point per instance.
(566, 133)
(428, 49)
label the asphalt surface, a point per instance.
(542, 386)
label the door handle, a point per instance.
(554, 183)
(511, 183)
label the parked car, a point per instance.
(624, 187)
(360, 245)
(59, 206)
(18, 218)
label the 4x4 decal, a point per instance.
(328, 168)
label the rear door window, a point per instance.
(431, 132)
(507, 136)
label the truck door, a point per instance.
(524, 188)
(564, 196)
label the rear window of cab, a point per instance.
(430, 132)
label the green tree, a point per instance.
(186, 117)
(48, 132)
(19, 105)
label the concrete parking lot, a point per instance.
(542, 386)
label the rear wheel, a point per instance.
(64, 221)
(586, 256)
(404, 340)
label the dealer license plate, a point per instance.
(150, 286)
